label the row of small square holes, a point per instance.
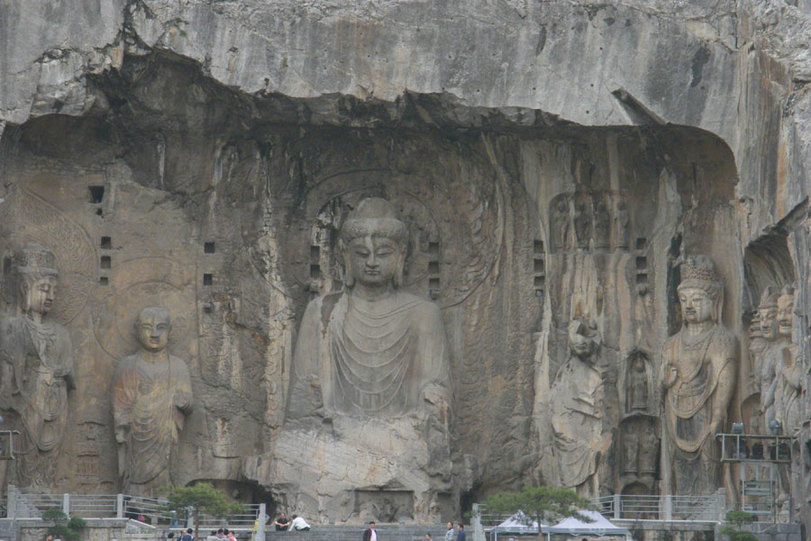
(208, 248)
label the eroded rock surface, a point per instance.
(552, 160)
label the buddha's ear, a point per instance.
(349, 280)
(398, 272)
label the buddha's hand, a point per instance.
(669, 375)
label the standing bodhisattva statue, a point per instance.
(151, 397)
(699, 364)
(37, 369)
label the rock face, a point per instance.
(551, 161)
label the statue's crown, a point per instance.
(699, 268)
(35, 259)
(769, 297)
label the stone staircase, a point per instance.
(385, 532)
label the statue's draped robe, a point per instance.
(377, 359)
(690, 457)
(577, 420)
(151, 400)
(37, 369)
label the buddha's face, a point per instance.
(785, 314)
(373, 261)
(40, 295)
(152, 330)
(696, 305)
(768, 322)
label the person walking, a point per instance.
(449, 533)
(370, 534)
(461, 535)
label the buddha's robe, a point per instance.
(150, 401)
(381, 359)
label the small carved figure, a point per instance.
(698, 378)
(37, 368)
(561, 226)
(637, 385)
(621, 223)
(577, 409)
(602, 222)
(582, 221)
(152, 395)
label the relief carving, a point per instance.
(594, 220)
(151, 397)
(37, 368)
(699, 366)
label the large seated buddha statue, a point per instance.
(366, 431)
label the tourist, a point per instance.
(370, 534)
(299, 524)
(449, 533)
(282, 523)
(461, 535)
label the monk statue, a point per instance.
(699, 364)
(369, 395)
(151, 397)
(577, 406)
(37, 369)
(371, 350)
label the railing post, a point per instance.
(668, 507)
(119, 506)
(12, 494)
(721, 503)
(617, 506)
(66, 503)
(260, 523)
(476, 523)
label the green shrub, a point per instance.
(54, 515)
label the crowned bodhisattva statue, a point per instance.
(37, 369)
(699, 364)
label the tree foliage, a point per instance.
(64, 529)
(201, 498)
(738, 518)
(541, 504)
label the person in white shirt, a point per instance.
(298, 524)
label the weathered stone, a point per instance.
(546, 174)
(151, 397)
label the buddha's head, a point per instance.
(373, 242)
(36, 277)
(700, 291)
(785, 311)
(767, 313)
(152, 328)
